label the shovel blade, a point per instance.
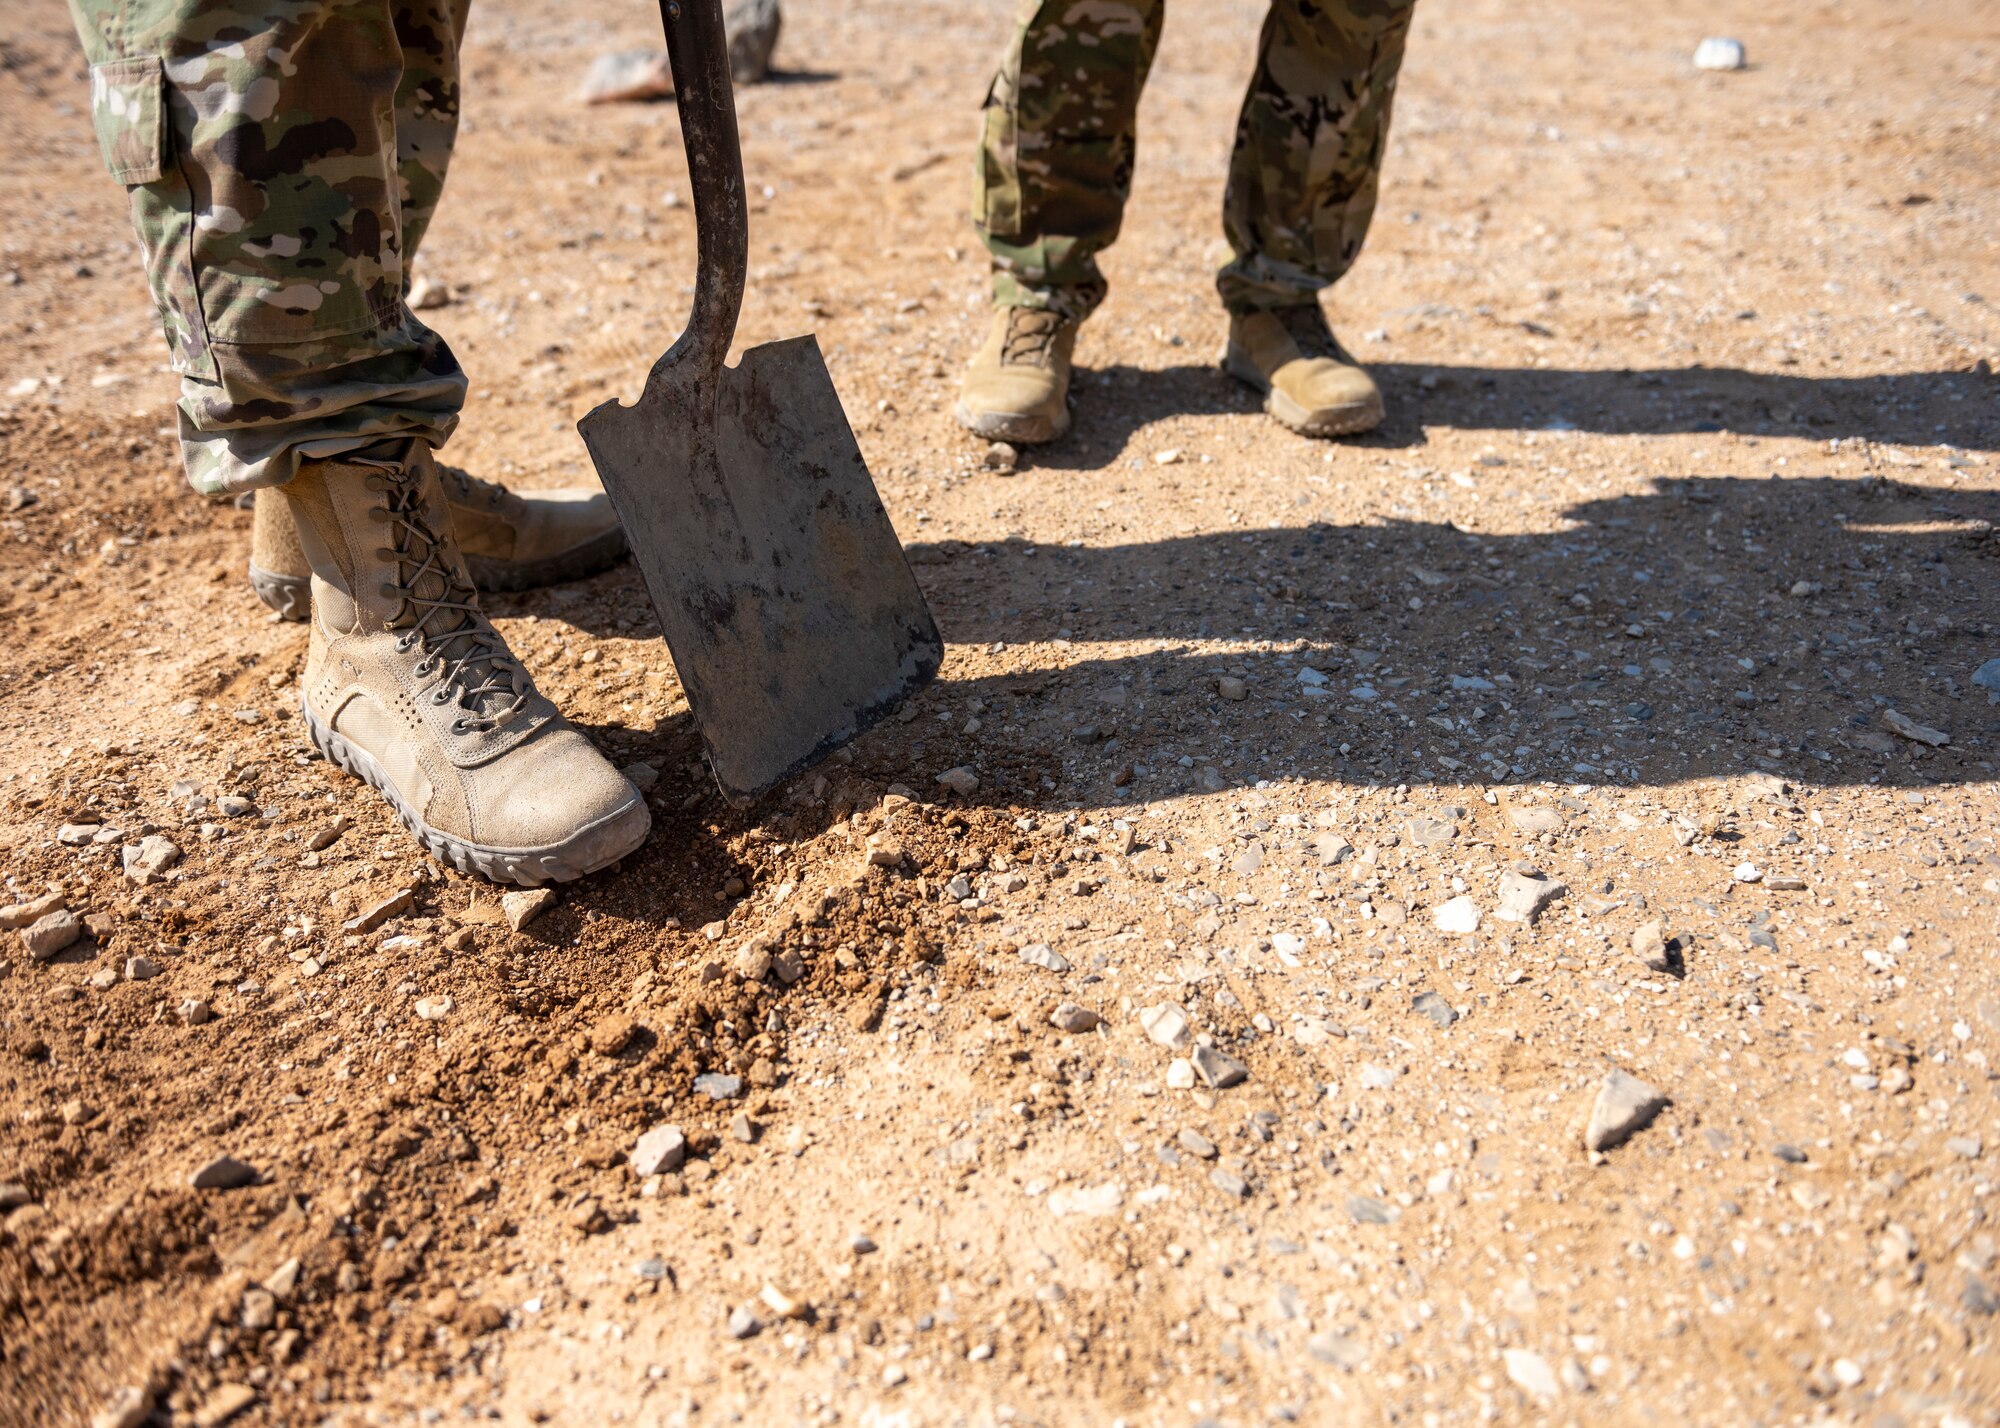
(784, 595)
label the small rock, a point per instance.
(718, 1087)
(324, 838)
(259, 1310)
(627, 76)
(1524, 895)
(426, 295)
(1435, 1007)
(1217, 1071)
(284, 1279)
(1897, 722)
(1377, 1077)
(77, 835)
(1197, 1145)
(1535, 819)
(652, 1269)
(1074, 1019)
(1002, 458)
(1180, 1074)
(1966, 1147)
(1625, 1105)
(612, 1034)
(372, 917)
(643, 775)
(1040, 954)
(1649, 945)
(433, 1008)
(660, 1151)
(742, 1128)
(861, 1245)
(1232, 688)
(1747, 873)
(1166, 1024)
(225, 1403)
(24, 914)
(235, 805)
(128, 1407)
(884, 852)
(753, 959)
(13, 1196)
(785, 1306)
(1531, 1373)
(1459, 916)
(1367, 1210)
(787, 966)
(1429, 832)
(742, 1323)
(752, 27)
(961, 780)
(196, 1012)
(141, 969)
(225, 1172)
(1718, 52)
(1987, 677)
(149, 859)
(1332, 849)
(50, 935)
(523, 907)
(1229, 1183)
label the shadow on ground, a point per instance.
(1708, 627)
(1915, 408)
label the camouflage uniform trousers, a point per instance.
(283, 159)
(1056, 154)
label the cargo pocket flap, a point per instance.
(127, 108)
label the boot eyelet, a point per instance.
(458, 726)
(439, 697)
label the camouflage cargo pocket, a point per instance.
(996, 192)
(127, 110)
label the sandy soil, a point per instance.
(1686, 500)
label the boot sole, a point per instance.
(1327, 421)
(1022, 428)
(291, 595)
(595, 846)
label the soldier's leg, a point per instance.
(429, 32)
(1055, 158)
(1309, 145)
(258, 144)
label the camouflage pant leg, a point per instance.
(1055, 159)
(1309, 144)
(273, 188)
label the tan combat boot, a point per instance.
(510, 542)
(1017, 388)
(1311, 383)
(408, 686)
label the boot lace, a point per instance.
(439, 613)
(1308, 328)
(468, 490)
(1031, 336)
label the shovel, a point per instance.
(785, 597)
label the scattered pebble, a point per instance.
(1431, 1005)
(50, 935)
(719, 1087)
(1718, 52)
(523, 907)
(1002, 458)
(1040, 954)
(1523, 895)
(961, 780)
(128, 1407)
(433, 1008)
(196, 1012)
(1625, 1105)
(660, 1151)
(225, 1172)
(1197, 1145)
(1530, 1373)
(1217, 1071)
(1074, 1019)
(1229, 687)
(1458, 916)
(1897, 722)
(1167, 1025)
(743, 1324)
(149, 859)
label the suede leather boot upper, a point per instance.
(409, 686)
(510, 541)
(1311, 383)
(1017, 388)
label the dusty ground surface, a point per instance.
(1688, 483)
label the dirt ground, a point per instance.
(1681, 526)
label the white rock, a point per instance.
(1531, 1373)
(1460, 915)
(1718, 52)
(1167, 1025)
(149, 858)
(1747, 873)
(433, 1008)
(1074, 1019)
(1094, 1203)
(129, 1407)
(660, 1151)
(51, 934)
(1180, 1074)
(1897, 722)
(1040, 954)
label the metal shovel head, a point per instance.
(784, 595)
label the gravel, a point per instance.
(225, 1172)
(660, 1151)
(1624, 1106)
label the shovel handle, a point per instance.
(698, 50)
